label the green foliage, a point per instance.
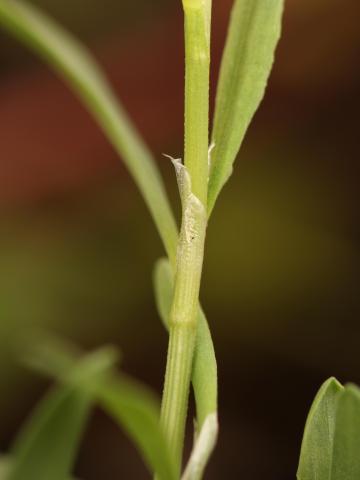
(129, 403)
(317, 444)
(331, 448)
(135, 409)
(248, 57)
(247, 61)
(346, 454)
(74, 63)
(60, 416)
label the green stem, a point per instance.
(183, 324)
(174, 408)
(197, 66)
(190, 253)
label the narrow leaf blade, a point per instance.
(253, 34)
(317, 444)
(47, 444)
(74, 63)
(129, 403)
(135, 409)
(346, 455)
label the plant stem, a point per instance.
(183, 324)
(190, 253)
(197, 66)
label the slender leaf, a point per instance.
(133, 406)
(346, 454)
(47, 444)
(317, 445)
(137, 411)
(74, 63)
(204, 374)
(47, 448)
(331, 443)
(5, 466)
(247, 61)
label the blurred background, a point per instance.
(281, 278)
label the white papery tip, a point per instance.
(204, 445)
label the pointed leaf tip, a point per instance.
(247, 61)
(317, 444)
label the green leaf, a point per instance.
(138, 412)
(133, 406)
(331, 443)
(47, 444)
(248, 57)
(74, 63)
(346, 453)
(317, 445)
(47, 448)
(204, 374)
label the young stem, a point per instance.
(183, 324)
(197, 66)
(190, 253)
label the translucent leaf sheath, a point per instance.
(253, 34)
(75, 65)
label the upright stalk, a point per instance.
(193, 185)
(197, 66)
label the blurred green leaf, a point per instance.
(346, 453)
(74, 63)
(253, 34)
(317, 445)
(135, 409)
(47, 444)
(132, 405)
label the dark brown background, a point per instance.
(281, 281)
